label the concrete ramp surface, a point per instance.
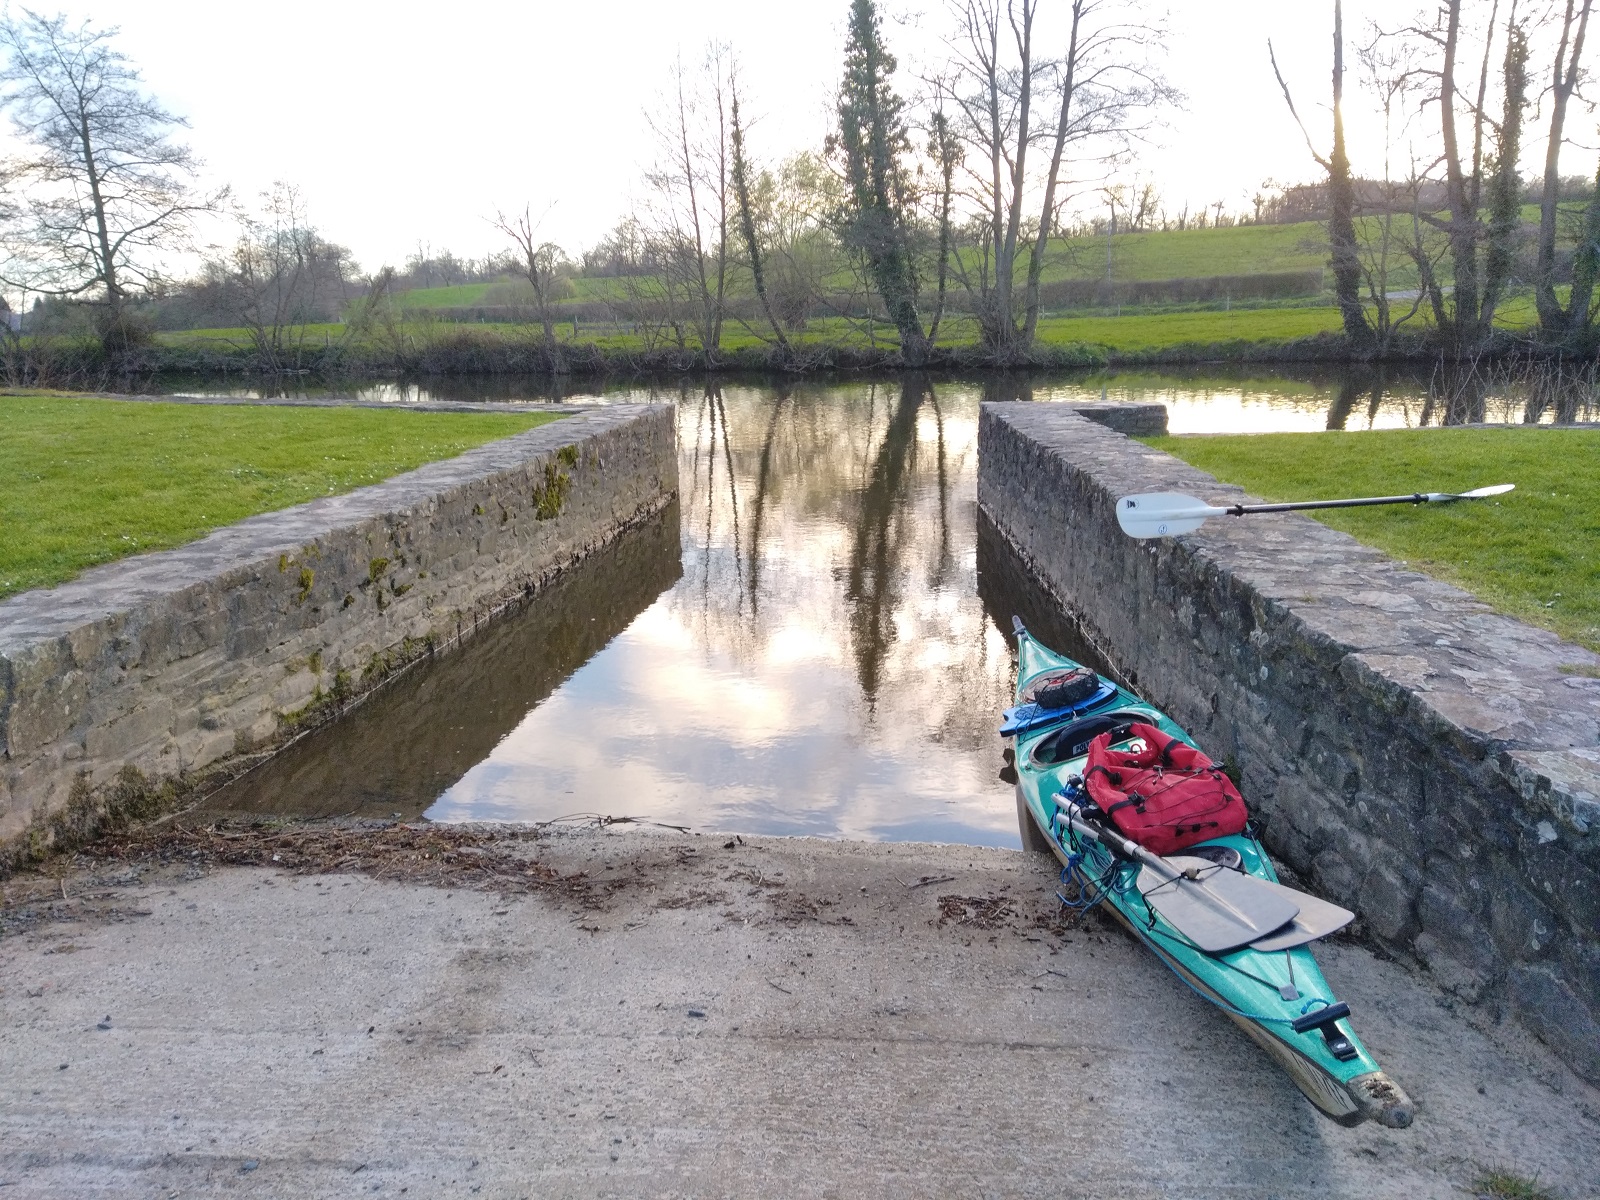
(679, 1017)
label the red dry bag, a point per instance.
(1166, 796)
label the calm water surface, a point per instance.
(809, 642)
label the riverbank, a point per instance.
(1533, 554)
(652, 1013)
(1290, 333)
(125, 690)
(86, 480)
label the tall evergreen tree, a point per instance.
(872, 140)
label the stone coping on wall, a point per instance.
(1413, 753)
(1136, 418)
(170, 662)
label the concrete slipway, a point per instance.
(649, 1014)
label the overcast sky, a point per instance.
(407, 122)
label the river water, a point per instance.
(810, 642)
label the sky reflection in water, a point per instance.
(823, 666)
(803, 645)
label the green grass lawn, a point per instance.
(1191, 253)
(461, 295)
(85, 481)
(1156, 330)
(1131, 330)
(1534, 553)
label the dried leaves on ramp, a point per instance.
(431, 855)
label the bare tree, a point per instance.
(1396, 232)
(1468, 316)
(106, 193)
(1478, 162)
(1102, 88)
(747, 219)
(1341, 192)
(692, 199)
(540, 263)
(281, 276)
(1555, 320)
(796, 201)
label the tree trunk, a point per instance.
(1005, 267)
(113, 336)
(1555, 321)
(1505, 187)
(747, 226)
(1462, 332)
(1341, 206)
(945, 153)
(1030, 327)
(1585, 269)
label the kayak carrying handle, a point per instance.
(1325, 1021)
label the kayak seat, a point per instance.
(1072, 739)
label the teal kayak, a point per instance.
(1279, 997)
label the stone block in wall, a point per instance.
(1523, 928)
(1563, 1020)
(1410, 752)
(1387, 900)
(171, 661)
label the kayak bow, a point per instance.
(1267, 981)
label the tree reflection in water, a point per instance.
(825, 664)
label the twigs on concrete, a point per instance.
(925, 881)
(432, 855)
(604, 821)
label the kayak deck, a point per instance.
(1275, 996)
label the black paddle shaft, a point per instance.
(1239, 510)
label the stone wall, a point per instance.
(1427, 762)
(141, 674)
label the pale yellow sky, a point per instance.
(410, 121)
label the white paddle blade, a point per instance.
(1498, 489)
(1316, 919)
(1219, 910)
(1163, 514)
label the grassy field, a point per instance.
(1130, 331)
(463, 295)
(86, 481)
(1191, 253)
(1135, 257)
(1534, 553)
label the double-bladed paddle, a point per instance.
(1213, 907)
(1167, 514)
(1216, 908)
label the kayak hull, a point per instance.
(1262, 992)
